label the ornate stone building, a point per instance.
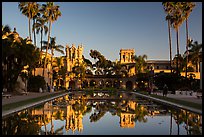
(127, 58)
(72, 57)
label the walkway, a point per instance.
(17, 98)
(188, 98)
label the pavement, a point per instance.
(30, 95)
(17, 98)
(188, 98)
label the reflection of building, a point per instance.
(128, 116)
(127, 120)
(73, 120)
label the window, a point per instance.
(157, 67)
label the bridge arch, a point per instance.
(72, 84)
(129, 85)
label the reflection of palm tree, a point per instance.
(44, 119)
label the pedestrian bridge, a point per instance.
(104, 82)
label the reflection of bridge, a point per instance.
(102, 95)
(105, 81)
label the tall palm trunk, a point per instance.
(186, 47)
(177, 37)
(48, 41)
(29, 28)
(169, 28)
(52, 54)
(41, 45)
(41, 40)
(34, 34)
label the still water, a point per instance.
(102, 114)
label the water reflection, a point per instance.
(65, 115)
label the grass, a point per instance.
(28, 101)
(181, 102)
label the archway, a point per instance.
(92, 83)
(129, 85)
(84, 84)
(116, 84)
(60, 83)
(72, 84)
(108, 83)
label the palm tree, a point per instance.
(168, 9)
(29, 10)
(187, 9)
(195, 54)
(140, 62)
(53, 47)
(57, 63)
(40, 27)
(6, 30)
(177, 20)
(51, 12)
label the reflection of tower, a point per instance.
(80, 124)
(73, 121)
(127, 120)
(73, 55)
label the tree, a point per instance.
(177, 20)
(168, 9)
(40, 26)
(195, 53)
(187, 9)
(29, 10)
(140, 63)
(17, 53)
(52, 45)
(51, 12)
(5, 30)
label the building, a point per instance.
(159, 66)
(74, 56)
(127, 58)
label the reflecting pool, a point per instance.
(102, 114)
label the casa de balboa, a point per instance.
(74, 56)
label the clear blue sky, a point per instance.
(110, 26)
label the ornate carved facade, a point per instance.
(73, 56)
(127, 56)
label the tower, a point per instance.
(127, 56)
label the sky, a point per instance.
(110, 26)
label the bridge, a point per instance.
(104, 82)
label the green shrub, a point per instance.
(36, 82)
